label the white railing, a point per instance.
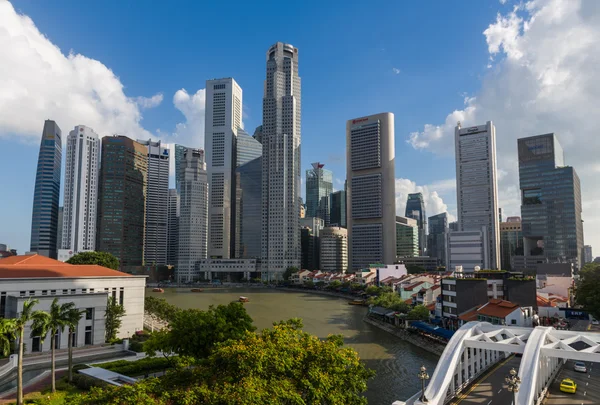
(9, 366)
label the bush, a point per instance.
(136, 346)
(85, 382)
(139, 367)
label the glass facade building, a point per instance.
(511, 241)
(550, 201)
(437, 238)
(248, 209)
(44, 218)
(319, 186)
(337, 215)
(407, 237)
(415, 209)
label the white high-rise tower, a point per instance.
(281, 162)
(81, 190)
(223, 117)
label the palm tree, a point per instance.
(7, 335)
(26, 315)
(73, 315)
(53, 321)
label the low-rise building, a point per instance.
(500, 312)
(365, 278)
(460, 295)
(428, 296)
(226, 270)
(557, 285)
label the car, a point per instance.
(568, 385)
(580, 366)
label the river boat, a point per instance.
(358, 302)
(244, 299)
(158, 290)
(196, 290)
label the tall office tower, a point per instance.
(179, 152)
(193, 214)
(44, 219)
(407, 237)
(173, 227)
(122, 199)
(319, 186)
(337, 216)
(59, 228)
(477, 188)
(511, 241)
(551, 201)
(587, 254)
(453, 226)
(82, 171)
(258, 133)
(310, 232)
(157, 204)
(334, 249)
(415, 209)
(223, 117)
(247, 148)
(371, 200)
(438, 233)
(281, 162)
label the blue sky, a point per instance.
(418, 60)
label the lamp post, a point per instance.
(512, 381)
(423, 376)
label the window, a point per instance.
(88, 335)
(52, 292)
(73, 290)
(32, 292)
(44, 292)
(121, 296)
(84, 290)
(65, 291)
(22, 293)
(89, 313)
(513, 321)
(36, 344)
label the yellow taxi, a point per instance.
(568, 385)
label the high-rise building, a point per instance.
(122, 199)
(193, 214)
(453, 226)
(247, 148)
(223, 117)
(587, 254)
(319, 186)
(44, 218)
(310, 233)
(477, 189)
(173, 227)
(437, 238)
(258, 133)
(179, 152)
(281, 162)
(371, 200)
(551, 201)
(337, 216)
(415, 209)
(59, 228)
(511, 241)
(248, 205)
(157, 204)
(407, 237)
(334, 249)
(82, 171)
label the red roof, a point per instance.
(469, 315)
(410, 287)
(36, 266)
(435, 287)
(497, 308)
(431, 306)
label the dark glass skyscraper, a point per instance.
(319, 185)
(436, 240)
(248, 209)
(550, 201)
(511, 241)
(44, 219)
(337, 216)
(415, 209)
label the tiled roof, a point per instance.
(435, 287)
(411, 287)
(469, 315)
(36, 266)
(497, 308)
(431, 306)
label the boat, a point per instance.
(158, 290)
(358, 302)
(197, 290)
(244, 299)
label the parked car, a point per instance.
(580, 367)
(568, 385)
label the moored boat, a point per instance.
(197, 290)
(244, 299)
(158, 290)
(358, 302)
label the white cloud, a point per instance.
(396, 71)
(39, 82)
(191, 132)
(544, 57)
(434, 204)
(149, 102)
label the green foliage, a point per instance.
(587, 293)
(309, 284)
(391, 301)
(289, 271)
(419, 312)
(320, 284)
(85, 382)
(7, 335)
(113, 315)
(373, 290)
(136, 368)
(104, 259)
(412, 269)
(194, 332)
(334, 285)
(357, 287)
(160, 309)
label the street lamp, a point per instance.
(512, 381)
(423, 376)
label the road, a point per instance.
(491, 389)
(588, 386)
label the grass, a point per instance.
(64, 390)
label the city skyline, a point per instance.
(407, 181)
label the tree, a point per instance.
(7, 335)
(160, 309)
(309, 284)
(51, 322)
(420, 313)
(391, 301)
(372, 290)
(289, 271)
(72, 318)
(334, 285)
(320, 284)
(100, 258)
(587, 293)
(413, 269)
(113, 315)
(26, 315)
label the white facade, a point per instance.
(334, 249)
(390, 270)
(206, 267)
(155, 234)
(281, 162)
(557, 285)
(467, 249)
(477, 187)
(82, 170)
(223, 117)
(371, 200)
(193, 218)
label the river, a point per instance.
(395, 361)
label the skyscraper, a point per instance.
(258, 133)
(247, 148)
(371, 190)
(407, 237)
(319, 186)
(477, 191)
(415, 209)
(59, 230)
(438, 232)
(511, 241)
(281, 162)
(193, 216)
(334, 249)
(587, 254)
(310, 232)
(122, 199)
(551, 201)
(337, 216)
(173, 228)
(179, 152)
(157, 204)
(82, 172)
(223, 117)
(44, 218)
(248, 209)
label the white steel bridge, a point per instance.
(477, 346)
